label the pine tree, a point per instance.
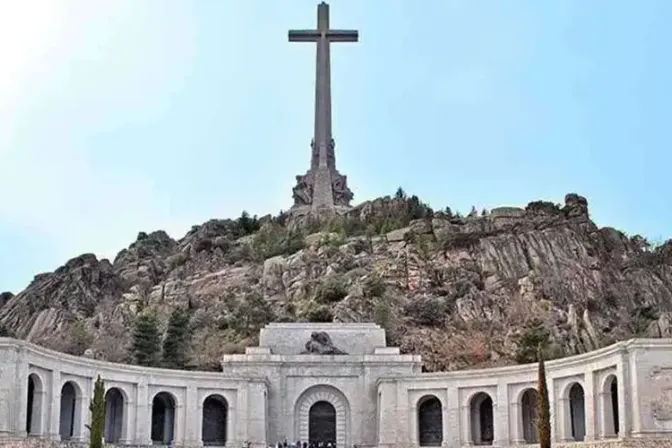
(146, 340)
(176, 339)
(543, 406)
(97, 408)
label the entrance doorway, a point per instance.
(322, 422)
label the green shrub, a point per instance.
(176, 341)
(251, 314)
(543, 405)
(320, 314)
(275, 240)
(430, 311)
(330, 291)
(146, 345)
(529, 342)
(97, 408)
(374, 286)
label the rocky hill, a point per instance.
(480, 290)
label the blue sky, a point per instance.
(126, 116)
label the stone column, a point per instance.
(589, 397)
(413, 426)
(192, 411)
(143, 435)
(622, 378)
(10, 407)
(180, 421)
(550, 386)
(239, 433)
(451, 418)
(21, 395)
(604, 414)
(465, 424)
(128, 425)
(82, 402)
(501, 414)
(54, 401)
(564, 424)
(256, 414)
(388, 420)
(515, 413)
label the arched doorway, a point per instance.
(69, 414)
(430, 421)
(163, 418)
(577, 412)
(482, 419)
(114, 415)
(610, 406)
(322, 422)
(34, 405)
(215, 409)
(528, 409)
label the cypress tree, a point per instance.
(146, 340)
(176, 339)
(97, 408)
(543, 406)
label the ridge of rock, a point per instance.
(474, 291)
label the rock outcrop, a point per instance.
(474, 291)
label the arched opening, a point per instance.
(528, 409)
(34, 406)
(114, 415)
(215, 410)
(610, 406)
(577, 412)
(163, 418)
(482, 419)
(430, 421)
(69, 416)
(322, 423)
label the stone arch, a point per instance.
(70, 412)
(35, 405)
(164, 406)
(215, 420)
(528, 414)
(115, 400)
(430, 421)
(609, 398)
(481, 419)
(576, 411)
(334, 397)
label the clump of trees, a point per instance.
(150, 350)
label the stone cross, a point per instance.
(322, 186)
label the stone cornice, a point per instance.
(620, 348)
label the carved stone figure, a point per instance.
(339, 187)
(303, 191)
(320, 343)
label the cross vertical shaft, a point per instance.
(322, 186)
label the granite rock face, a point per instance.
(481, 290)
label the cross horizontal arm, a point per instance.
(331, 35)
(304, 35)
(343, 35)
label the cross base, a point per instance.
(321, 190)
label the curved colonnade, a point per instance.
(621, 391)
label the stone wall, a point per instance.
(621, 443)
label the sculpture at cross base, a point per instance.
(322, 187)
